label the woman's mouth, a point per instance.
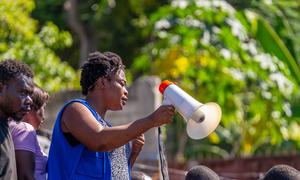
(124, 100)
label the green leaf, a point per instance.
(272, 44)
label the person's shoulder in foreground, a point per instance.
(282, 172)
(201, 173)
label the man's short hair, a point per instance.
(201, 173)
(282, 172)
(10, 69)
(99, 65)
(39, 98)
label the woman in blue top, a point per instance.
(84, 145)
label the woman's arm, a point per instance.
(25, 161)
(79, 121)
(137, 145)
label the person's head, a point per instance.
(201, 173)
(282, 172)
(103, 77)
(36, 115)
(16, 86)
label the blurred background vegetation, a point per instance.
(243, 54)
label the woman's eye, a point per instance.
(122, 84)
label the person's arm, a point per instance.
(25, 161)
(24, 138)
(79, 121)
(137, 145)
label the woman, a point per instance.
(30, 159)
(84, 145)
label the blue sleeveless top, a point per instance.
(68, 162)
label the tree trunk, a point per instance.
(179, 157)
(71, 8)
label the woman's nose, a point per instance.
(125, 91)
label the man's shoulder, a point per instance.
(3, 130)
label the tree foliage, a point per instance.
(283, 16)
(108, 25)
(211, 50)
(21, 38)
(245, 57)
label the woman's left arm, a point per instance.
(137, 145)
(25, 161)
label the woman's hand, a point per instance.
(163, 115)
(137, 146)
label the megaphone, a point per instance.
(201, 119)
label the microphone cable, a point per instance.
(162, 157)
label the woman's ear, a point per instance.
(102, 82)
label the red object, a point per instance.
(164, 85)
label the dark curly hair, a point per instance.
(99, 65)
(201, 172)
(11, 68)
(39, 98)
(282, 172)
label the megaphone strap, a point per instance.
(162, 158)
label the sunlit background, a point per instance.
(243, 54)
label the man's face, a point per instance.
(15, 97)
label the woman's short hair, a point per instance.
(99, 65)
(39, 98)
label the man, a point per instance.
(31, 160)
(16, 86)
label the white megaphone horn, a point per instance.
(201, 119)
